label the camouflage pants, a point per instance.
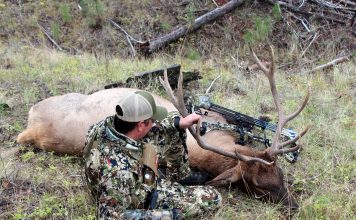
(193, 201)
(120, 186)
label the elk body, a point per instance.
(60, 124)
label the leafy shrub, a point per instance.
(64, 11)
(56, 31)
(50, 206)
(193, 55)
(93, 11)
(262, 27)
(27, 156)
(189, 15)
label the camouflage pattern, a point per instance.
(115, 174)
(152, 214)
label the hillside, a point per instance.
(90, 53)
(85, 27)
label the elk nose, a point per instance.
(290, 203)
(294, 206)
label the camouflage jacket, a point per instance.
(108, 152)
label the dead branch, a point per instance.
(49, 37)
(331, 63)
(128, 37)
(159, 42)
(311, 42)
(348, 3)
(318, 12)
(211, 85)
(125, 32)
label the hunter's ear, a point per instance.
(140, 126)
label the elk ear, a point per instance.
(227, 177)
(267, 155)
(254, 181)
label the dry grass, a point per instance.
(41, 185)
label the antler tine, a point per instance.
(217, 150)
(270, 75)
(177, 102)
(306, 99)
(181, 94)
(291, 141)
(168, 88)
(276, 147)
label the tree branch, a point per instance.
(49, 37)
(331, 63)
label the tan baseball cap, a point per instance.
(139, 106)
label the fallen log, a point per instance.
(150, 46)
(142, 80)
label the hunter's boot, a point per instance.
(141, 214)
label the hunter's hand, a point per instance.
(189, 120)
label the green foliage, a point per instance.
(93, 11)
(30, 95)
(189, 16)
(345, 172)
(2, 6)
(56, 31)
(193, 54)
(12, 128)
(328, 206)
(49, 206)
(27, 156)
(4, 108)
(276, 12)
(165, 26)
(64, 11)
(260, 31)
(19, 214)
(262, 27)
(298, 184)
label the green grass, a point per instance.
(323, 181)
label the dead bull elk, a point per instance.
(60, 124)
(231, 163)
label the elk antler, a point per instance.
(277, 147)
(178, 102)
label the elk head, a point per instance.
(257, 171)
